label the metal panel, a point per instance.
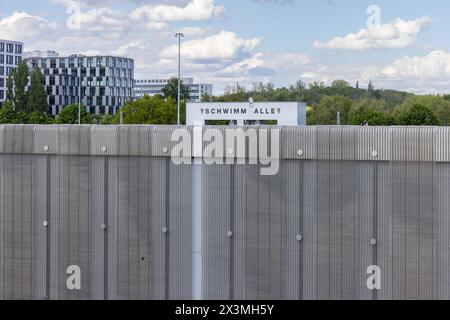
(353, 197)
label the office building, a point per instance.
(153, 87)
(106, 81)
(10, 56)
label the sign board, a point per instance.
(285, 113)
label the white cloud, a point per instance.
(224, 45)
(435, 65)
(395, 34)
(23, 26)
(195, 10)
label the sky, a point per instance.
(400, 44)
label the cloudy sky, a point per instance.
(398, 44)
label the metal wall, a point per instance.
(110, 200)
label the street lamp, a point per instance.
(79, 100)
(179, 35)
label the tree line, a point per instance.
(356, 105)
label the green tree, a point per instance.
(10, 87)
(170, 90)
(20, 77)
(418, 115)
(11, 116)
(37, 95)
(69, 115)
(325, 112)
(152, 110)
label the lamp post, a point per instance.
(79, 100)
(179, 36)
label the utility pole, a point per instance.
(179, 35)
(79, 100)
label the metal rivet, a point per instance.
(165, 149)
(104, 149)
(373, 242)
(300, 152)
(46, 148)
(103, 226)
(45, 223)
(229, 234)
(374, 154)
(164, 230)
(299, 237)
(230, 151)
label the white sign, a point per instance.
(285, 113)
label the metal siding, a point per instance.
(338, 195)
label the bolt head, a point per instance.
(373, 242)
(165, 149)
(300, 152)
(229, 234)
(104, 149)
(164, 230)
(45, 223)
(103, 226)
(375, 154)
(299, 237)
(46, 148)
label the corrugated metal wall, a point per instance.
(110, 200)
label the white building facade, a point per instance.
(10, 56)
(153, 87)
(104, 83)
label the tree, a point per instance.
(11, 116)
(69, 115)
(20, 78)
(153, 110)
(37, 95)
(170, 90)
(418, 115)
(325, 112)
(10, 87)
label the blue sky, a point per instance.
(248, 41)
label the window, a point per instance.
(2, 58)
(53, 63)
(9, 71)
(18, 59)
(2, 83)
(2, 94)
(18, 48)
(52, 81)
(9, 47)
(9, 60)
(2, 47)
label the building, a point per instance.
(40, 54)
(10, 56)
(106, 81)
(153, 87)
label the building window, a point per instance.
(2, 94)
(53, 63)
(9, 60)
(18, 49)
(9, 70)
(9, 48)
(52, 100)
(52, 81)
(2, 58)
(2, 47)
(18, 59)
